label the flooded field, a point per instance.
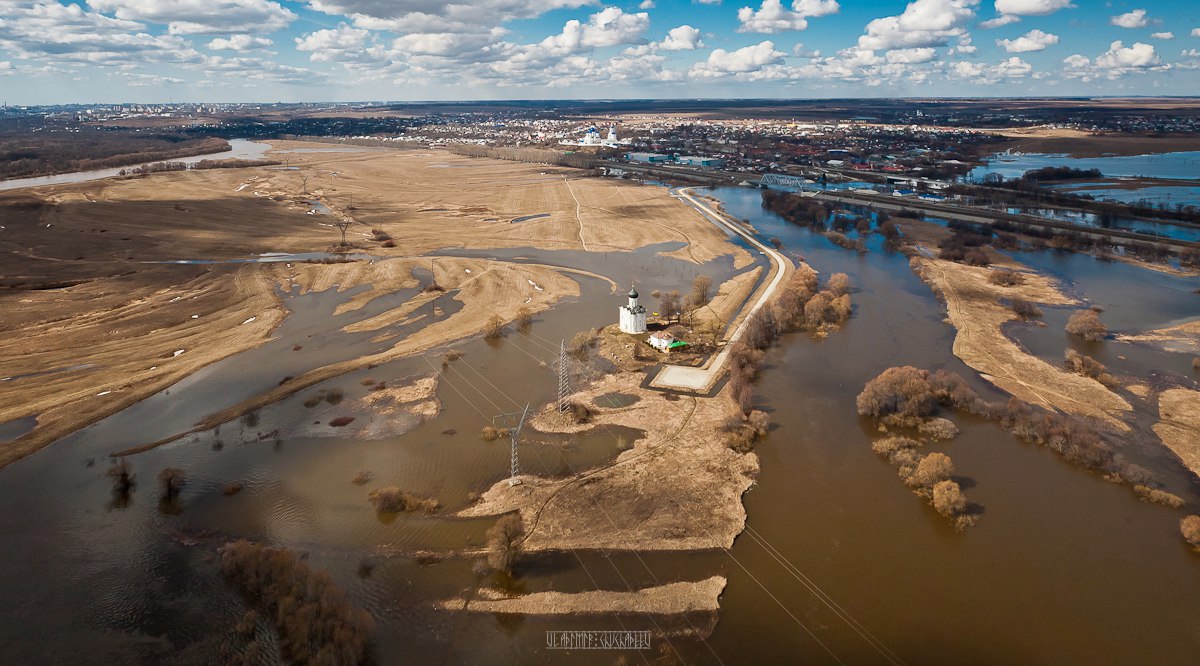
(840, 561)
(1181, 165)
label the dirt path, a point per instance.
(578, 213)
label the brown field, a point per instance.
(75, 292)
(972, 307)
(1179, 428)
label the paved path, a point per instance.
(702, 379)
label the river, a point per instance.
(1062, 567)
(242, 149)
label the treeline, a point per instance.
(23, 155)
(527, 155)
(368, 142)
(314, 619)
(161, 167)
(1060, 173)
(1029, 193)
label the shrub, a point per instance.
(670, 305)
(976, 257)
(1024, 309)
(1156, 496)
(504, 542)
(580, 412)
(760, 421)
(762, 329)
(524, 317)
(1189, 527)
(1088, 367)
(122, 479)
(929, 471)
(389, 243)
(394, 500)
(341, 421)
(896, 449)
(362, 478)
(814, 310)
(904, 391)
(582, 344)
(494, 329)
(701, 288)
(315, 621)
(1087, 325)
(839, 283)
(938, 429)
(1006, 278)
(948, 499)
(839, 309)
(492, 433)
(231, 488)
(1196, 364)
(170, 481)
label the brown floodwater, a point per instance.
(1062, 567)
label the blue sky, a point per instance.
(58, 51)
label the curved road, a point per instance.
(701, 379)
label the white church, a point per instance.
(633, 315)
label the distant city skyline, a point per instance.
(154, 51)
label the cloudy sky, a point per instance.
(57, 51)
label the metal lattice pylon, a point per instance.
(563, 388)
(514, 434)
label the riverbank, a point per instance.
(976, 310)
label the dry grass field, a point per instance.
(973, 307)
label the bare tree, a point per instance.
(170, 481)
(504, 542)
(1087, 325)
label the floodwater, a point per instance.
(242, 149)
(1063, 566)
(1180, 165)
(1166, 196)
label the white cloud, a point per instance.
(1119, 56)
(923, 23)
(744, 60)
(646, 4)
(1031, 7)
(1034, 40)
(1000, 21)
(6, 68)
(1118, 61)
(448, 44)
(406, 16)
(1195, 32)
(239, 43)
(911, 56)
(199, 17)
(608, 27)
(682, 38)
(1133, 19)
(1163, 35)
(1012, 68)
(334, 44)
(771, 17)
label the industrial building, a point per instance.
(695, 160)
(648, 158)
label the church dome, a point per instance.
(633, 292)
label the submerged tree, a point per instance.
(504, 542)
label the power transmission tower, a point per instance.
(514, 433)
(563, 388)
(342, 226)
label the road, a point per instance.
(701, 379)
